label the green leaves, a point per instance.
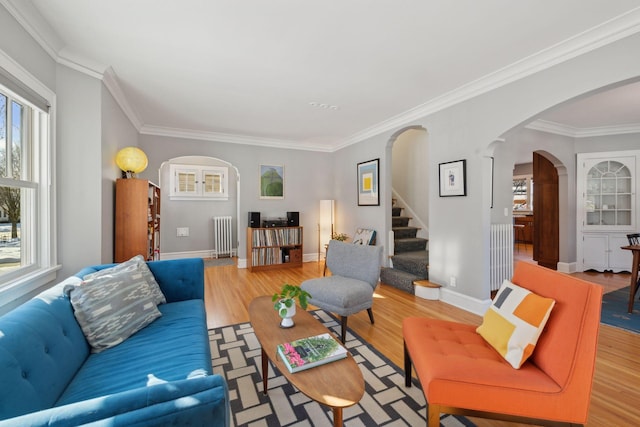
(288, 294)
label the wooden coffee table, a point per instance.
(337, 384)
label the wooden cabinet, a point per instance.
(606, 209)
(276, 247)
(526, 235)
(137, 220)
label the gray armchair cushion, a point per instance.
(355, 271)
(340, 295)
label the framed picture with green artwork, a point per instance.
(368, 183)
(271, 182)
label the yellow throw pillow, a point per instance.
(514, 322)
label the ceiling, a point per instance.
(320, 75)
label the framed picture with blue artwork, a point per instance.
(453, 180)
(369, 183)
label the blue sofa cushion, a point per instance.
(150, 356)
(41, 348)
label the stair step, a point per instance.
(416, 263)
(400, 221)
(410, 244)
(395, 211)
(398, 279)
(404, 232)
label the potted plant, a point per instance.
(285, 303)
(339, 236)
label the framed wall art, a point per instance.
(369, 183)
(271, 182)
(453, 180)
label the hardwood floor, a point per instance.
(615, 398)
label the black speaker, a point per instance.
(254, 219)
(293, 219)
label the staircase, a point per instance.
(411, 259)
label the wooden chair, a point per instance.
(355, 270)
(461, 374)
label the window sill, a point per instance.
(18, 290)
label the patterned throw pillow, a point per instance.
(135, 263)
(112, 307)
(514, 322)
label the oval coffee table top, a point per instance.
(337, 384)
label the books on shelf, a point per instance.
(309, 352)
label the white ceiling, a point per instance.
(251, 71)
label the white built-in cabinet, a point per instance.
(606, 208)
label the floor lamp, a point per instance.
(325, 228)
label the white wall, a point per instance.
(410, 175)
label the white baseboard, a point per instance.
(464, 302)
(242, 262)
(567, 267)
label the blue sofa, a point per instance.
(161, 375)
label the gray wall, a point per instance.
(117, 133)
(459, 226)
(79, 157)
(309, 178)
(195, 214)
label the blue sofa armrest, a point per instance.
(195, 401)
(179, 279)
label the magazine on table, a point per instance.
(305, 353)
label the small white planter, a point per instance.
(287, 314)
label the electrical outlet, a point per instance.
(182, 231)
(452, 281)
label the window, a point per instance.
(192, 182)
(26, 241)
(523, 193)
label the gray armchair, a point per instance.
(355, 270)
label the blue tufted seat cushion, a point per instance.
(41, 349)
(148, 357)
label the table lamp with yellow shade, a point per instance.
(132, 161)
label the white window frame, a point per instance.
(40, 241)
(200, 175)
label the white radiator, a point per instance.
(222, 236)
(501, 247)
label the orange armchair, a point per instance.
(461, 374)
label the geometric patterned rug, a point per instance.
(235, 353)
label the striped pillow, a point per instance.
(112, 307)
(514, 322)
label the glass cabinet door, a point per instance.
(609, 194)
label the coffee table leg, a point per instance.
(265, 371)
(337, 417)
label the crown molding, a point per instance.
(30, 19)
(231, 138)
(574, 132)
(608, 32)
(110, 80)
